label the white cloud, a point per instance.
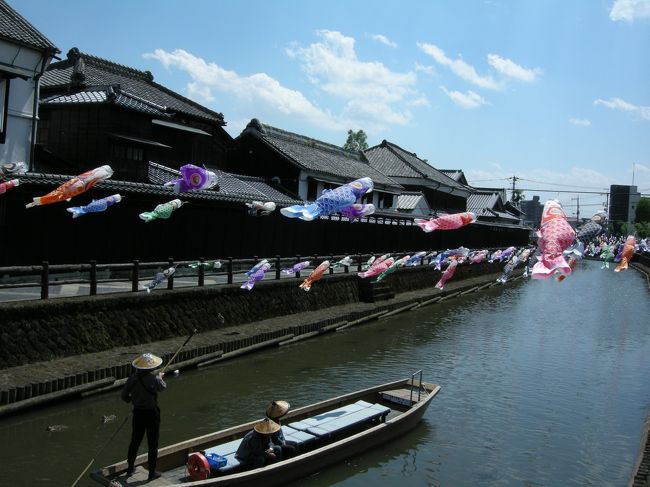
(459, 67)
(371, 91)
(255, 90)
(580, 121)
(619, 104)
(513, 70)
(630, 10)
(423, 101)
(465, 100)
(384, 40)
(428, 70)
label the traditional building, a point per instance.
(307, 166)
(440, 193)
(95, 111)
(490, 207)
(24, 55)
(456, 174)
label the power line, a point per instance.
(484, 180)
(560, 184)
(563, 191)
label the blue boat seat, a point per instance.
(325, 424)
(296, 437)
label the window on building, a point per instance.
(126, 152)
(388, 200)
(312, 190)
(4, 107)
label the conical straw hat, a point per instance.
(277, 409)
(147, 361)
(266, 426)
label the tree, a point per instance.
(642, 211)
(356, 141)
(517, 196)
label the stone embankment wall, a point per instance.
(38, 331)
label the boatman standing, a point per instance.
(141, 389)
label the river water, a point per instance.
(544, 383)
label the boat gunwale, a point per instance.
(105, 474)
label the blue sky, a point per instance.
(554, 92)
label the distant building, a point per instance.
(622, 203)
(24, 55)
(532, 211)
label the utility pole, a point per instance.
(514, 180)
(577, 209)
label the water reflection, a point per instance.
(544, 383)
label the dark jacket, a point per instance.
(141, 389)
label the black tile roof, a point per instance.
(14, 27)
(319, 157)
(409, 200)
(84, 73)
(456, 174)
(109, 94)
(395, 162)
(478, 201)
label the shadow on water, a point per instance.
(543, 384)
(403, 453)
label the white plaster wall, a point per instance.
(19, 121)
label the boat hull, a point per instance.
(405, 418)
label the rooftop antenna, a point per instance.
(633, 164)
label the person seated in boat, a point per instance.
(275, 411)
(256, 449)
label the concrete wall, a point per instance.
(43, 330)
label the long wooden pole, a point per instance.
(129, 415)
(178, 351)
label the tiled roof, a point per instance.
(81, 71)
(409, 201)
(107, 95)
(15, 28)
(479, 201)
(246, 188)
(455, 174)
(487, 213)
(319, 157)
(394, 161)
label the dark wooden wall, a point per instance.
(83, 136)
(201, 229)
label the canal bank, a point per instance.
(39, 383)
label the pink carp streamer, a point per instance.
(446, 222)
(554, 237)
(449, 272)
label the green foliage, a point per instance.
(517, 196)
(642, 229)
(357, 141)
(643, 211)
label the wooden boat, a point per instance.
(324, 433)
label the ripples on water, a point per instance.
(543, 384)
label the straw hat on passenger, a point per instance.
(147, 361)
(266, 426)
(277, 409)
